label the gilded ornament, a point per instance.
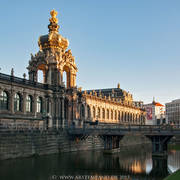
(53, 18)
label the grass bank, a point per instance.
(174, 176)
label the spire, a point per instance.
(53, 26)
(153, 100)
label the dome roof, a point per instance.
(53, 39)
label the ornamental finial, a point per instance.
(53, 18)
(53, 26)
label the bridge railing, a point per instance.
(126, 127)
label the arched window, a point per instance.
(125, 116)
(40, 76)
(82, 111)
(103, 113)
(17, 102)
(3, 101)
(99, 113)
(65, 78)
(39, 104)
(94, 112)
(111, 114)
(29, 103)
(88, 112)
(107, 113)
(115, 116)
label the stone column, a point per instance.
(61, 77)
(69, 117)
(68, 79)
(35, 76)
(49, 77)
(50, 120)
(44, 76)
(24, 102)
(85, 111)
(74, 80)
(30, 76)
(119, 116)
(47, 109)
(74, 110)
(57, 112)
(62, 113)
(34, 105)
(11, 101)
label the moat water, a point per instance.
(135, 163)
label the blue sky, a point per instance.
(134, 42)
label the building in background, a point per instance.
(139, 104)
(173, 112)
(155, 113)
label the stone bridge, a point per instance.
(111, 134)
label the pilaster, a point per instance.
(24, 102)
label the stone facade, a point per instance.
(112, 106)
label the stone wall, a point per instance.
(15, 144)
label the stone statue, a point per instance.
(24, 75)
(12, 72)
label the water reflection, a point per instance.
(132, 163)
(173, 160)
